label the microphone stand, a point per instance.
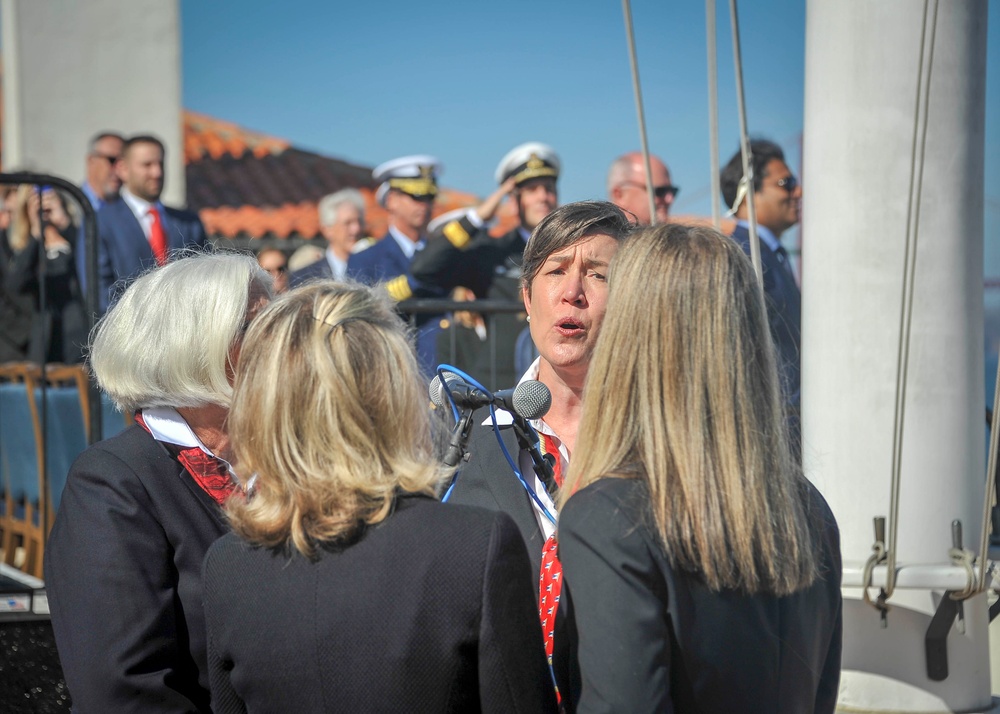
(527, 439)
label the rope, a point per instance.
(909, 269)
(991, 477)
(713, 114)
(630, 35)
(962, 558)
(745, 149)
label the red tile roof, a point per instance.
(248, 184)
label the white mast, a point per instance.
(894, 138)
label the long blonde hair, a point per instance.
(683, 394)
(331, 413)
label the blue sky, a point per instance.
(468, 81)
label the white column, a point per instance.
(862, 64)
(72, 69)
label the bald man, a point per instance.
(627, 187)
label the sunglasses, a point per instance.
(789, 183)
(660, 192)
(110, 159)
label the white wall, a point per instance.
(71, 69)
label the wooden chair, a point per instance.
(22, 459)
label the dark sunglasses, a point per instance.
(789, 183)
(660, 192)
(110, 159)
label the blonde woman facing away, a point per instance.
(703, 569)
(347, 586)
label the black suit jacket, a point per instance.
(124, 251)
(784, 312)
(319, 270)
(487, 481)
(429, 611)
(123, 574)
(655, 639)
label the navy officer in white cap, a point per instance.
(463, 253)
(407, 189)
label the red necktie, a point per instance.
(550, 578)
(209, 472)
(157, 237)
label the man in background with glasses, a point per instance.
(627, 187)
(777, 203)
(102, 182)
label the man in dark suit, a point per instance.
(777, 200)
(342, 223)
(138, 232)
(408, 187)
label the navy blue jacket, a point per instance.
(784, 312)
(124, 251)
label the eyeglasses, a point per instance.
(110, 159)
(789, 183)
(661, 192)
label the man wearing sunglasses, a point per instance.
(102, 182)
(628, 190)
(777, 201)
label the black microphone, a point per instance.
(464, 395)
(529, 400)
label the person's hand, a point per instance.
(54, 210)
(488, 208)
(34, 221)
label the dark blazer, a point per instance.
(487, 481)
(17, 307)
(474, 265)
(654, 639)
(784, 312)
(123, 575)
(124, 251)
(319, 270)
(383, 261)
(60, 332)
(429, 611)
(489, 267)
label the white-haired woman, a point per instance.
(702, 568)
(123, 563)
(347, 586)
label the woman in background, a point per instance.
(703, 569)
(347, 586)
(58, 332)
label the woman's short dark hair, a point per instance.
(565, 226)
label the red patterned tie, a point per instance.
(157, 237)
(550, 579)
(209, 472)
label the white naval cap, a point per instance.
(528, 161)
(413, 175)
